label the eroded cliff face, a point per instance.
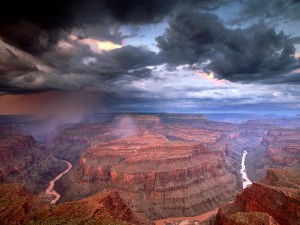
(269, 147)
(246, 218)
(18, 206)
(16, 154)
(283, 146)
(23, 160)
(274, 200)
(73, 140)
(162, 169)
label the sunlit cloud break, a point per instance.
(96, 45)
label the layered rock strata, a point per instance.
(23, 160)
(274, 200)
(156, 172)
(18, 206)
(283, 146)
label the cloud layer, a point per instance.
(253, 53)
(59, 48)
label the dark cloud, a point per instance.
(38, 30)
(235, 54)
(46, 57)
(273, 10)
(135, 11)
(256, 50)
(70, 66)
(190, 36)
(34, 27)
(296, 40)
(13, 63)
(130, 57)
(80, 59)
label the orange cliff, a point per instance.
(19, 206)
(23, 160)
(274, 200)
(283, 146)
(16, 153)
(153, 170)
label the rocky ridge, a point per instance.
(283, 146)
(23, 160)
(274, 200)
(18, 206)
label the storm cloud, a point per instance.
(146, 53)
(253, 53)
(11, 63)
(35, 27)
(80, 59)
(272, 10)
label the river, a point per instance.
(50, 190)
(246, 181)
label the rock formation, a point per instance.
(163, 169)
(17, 203)
(72, 141)
(283, 146)
(274, 200)
(163, 165)
(18, 206)
(23, 160)
(269, 147)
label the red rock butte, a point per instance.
(163, 169)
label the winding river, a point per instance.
(50, 190)
(246, 181)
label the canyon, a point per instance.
(19, 206)
(273, 200)
(246, 181)
(161, 165)
(25, 161)
(50, 190)
(164, 164)
(154, 112)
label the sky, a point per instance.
(187, 56)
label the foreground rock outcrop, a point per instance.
(274, 200)
(18, 206)
(16, 203)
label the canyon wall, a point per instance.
(19, 206)
(283, 146)
(276, 147)
(162, 169)
(274, 200)
(167, 165)
(23, 160)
